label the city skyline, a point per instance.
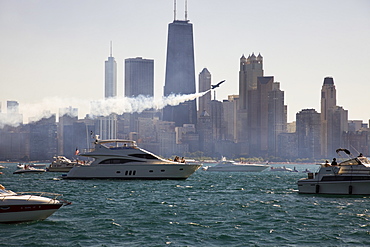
(59, 49)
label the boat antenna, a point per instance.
(111, 48)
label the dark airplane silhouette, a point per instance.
(217, 85)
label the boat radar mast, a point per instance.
(186, 10)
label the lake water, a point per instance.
(207, 209)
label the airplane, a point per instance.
(217, 85)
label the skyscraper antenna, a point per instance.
(186, 10)
(174, 10)
(111, 48)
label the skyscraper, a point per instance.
(250, 69)
(328, 101)
(308, 133)
(277, 118)
(180, 71)
(110, 76)
(139, 80)
(204, 85)
(139, 77)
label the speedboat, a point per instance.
(232, 166)
(350, 177)
(27, 206)
(29, 169)
(306, 171)
(61, 164)
(281, 169)
(123, 159)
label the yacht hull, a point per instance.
(129, 172)
(21, 213)
(23, 208)
(335, 187)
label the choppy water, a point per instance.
(207, 209)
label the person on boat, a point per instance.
(334, 162)
(326, 163)
(360, 155)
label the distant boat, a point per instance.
(22, 165)
(281, 169)
(294, 170)
(306, 171)
(29, 169)
(232, 166)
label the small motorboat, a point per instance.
(29, 169)
(294, 170)
(27, 206)
(281, 169)
(2, 167)
(350, 177)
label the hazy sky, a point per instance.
(58, 48)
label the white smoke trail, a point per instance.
(104, 107)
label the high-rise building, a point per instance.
(139, 80)
(139, 77)
(267, 116)
(230, 109)
(258, 113)
(250, 69)
(328, 101)
(308, 133)
(277, 118)
(110, 76)
(67, 117)
(204, 85)
(337, 127)
(12, 107)
(13, 116)
(180, 72)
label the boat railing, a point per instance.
(51, 196)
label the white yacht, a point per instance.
(27, 206)
(350, 177)
(123, 159)
(232, 166)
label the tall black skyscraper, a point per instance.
(180, 71)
